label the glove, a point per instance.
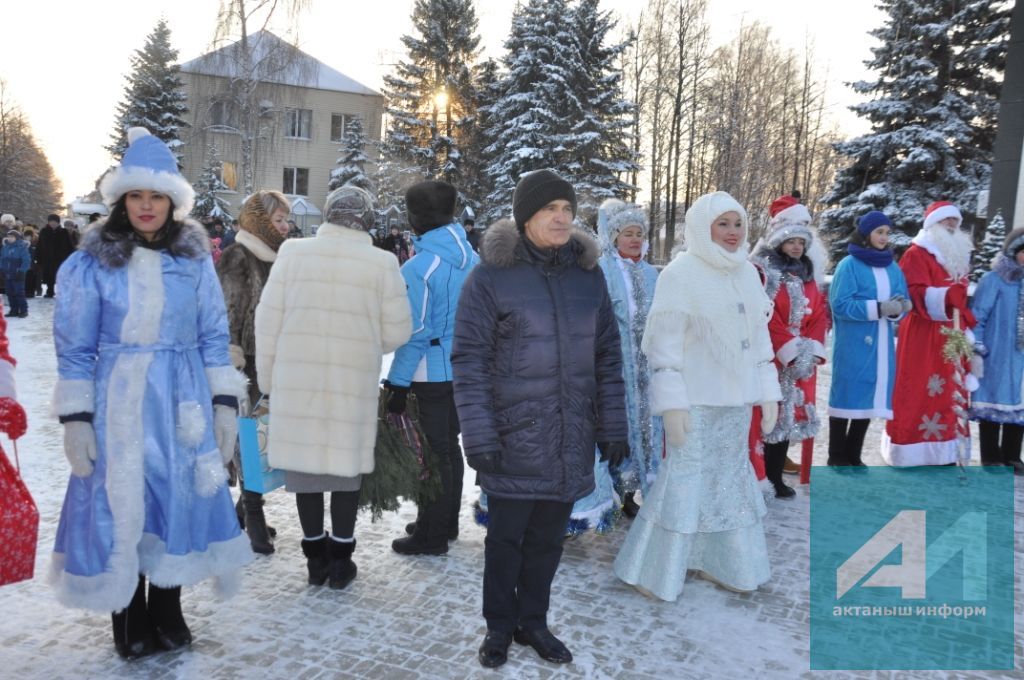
(225, 431)
(399, 395)
(613, 452)
(891, 308)
(12, 418)
(677, 424)
(80, 447)
(977, 366)
(484, 462)
(906, 304)
(769, 415)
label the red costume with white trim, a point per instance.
(925, 429)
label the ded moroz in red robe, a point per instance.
(924, 429)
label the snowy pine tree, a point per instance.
(932, 115)
(559, 105)
(991, 245)
(601, 155)
(208, 203)
(430, 94)
(475, 185)
(153, 97)
(352, 162)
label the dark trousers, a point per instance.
(996, 451)
(521, 554)
(775, 460)
(32, 282)
(440, 422)
(344, 507)
(846, 440)
(15, 286)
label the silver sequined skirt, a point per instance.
(703, 512)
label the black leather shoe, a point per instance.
(494, 650)
(453, 534)
(411, 545)
(547, 646)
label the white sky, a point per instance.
(64, 61)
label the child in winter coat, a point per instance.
(797, 329)
(711, 358)
(16, 261)
(998, 403)
(868, 296)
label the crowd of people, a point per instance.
(582, 383)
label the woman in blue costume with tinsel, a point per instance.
(148, 400)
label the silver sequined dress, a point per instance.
(703, 512)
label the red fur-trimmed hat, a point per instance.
(940, 210)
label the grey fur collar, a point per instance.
(1007, 269)
(114, 250)
(503, 245)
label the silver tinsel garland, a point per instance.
(641, 460)
(803, 366)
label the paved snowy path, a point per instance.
(415, 617)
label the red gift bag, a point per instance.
(19, 525)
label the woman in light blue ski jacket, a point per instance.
(148, 399)
(998, 403)
(622, 232)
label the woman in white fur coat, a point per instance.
(332, 307)
(710, 354)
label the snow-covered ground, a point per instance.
(417, 617)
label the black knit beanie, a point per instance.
(429, 205)
(535, 190)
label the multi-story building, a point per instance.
(281, 108)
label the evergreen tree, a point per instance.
(991, 245)
(560, 105)
(153, 97)
(475, 185)
(932, 114)
(208, 203)
(352, 162)
(429, 96)
(601, 156)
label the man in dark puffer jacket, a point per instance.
(538, 379)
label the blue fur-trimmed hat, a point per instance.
(148, 163)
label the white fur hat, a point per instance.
(6, 219)
(148, 163)
(614, 215)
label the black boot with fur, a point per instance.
(169, 628)
(132, 636)
(317, 562)
(343, 569)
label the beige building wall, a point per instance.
(275, 151)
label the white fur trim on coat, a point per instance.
(255, 246)
(226, 380)
(74, 396)
(935, 303)
(788, 352)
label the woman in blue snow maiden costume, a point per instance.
(622, 230)
(148, 399)
(998, 403)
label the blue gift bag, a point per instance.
(257, 475)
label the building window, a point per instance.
(339, 121)
(228, 175)
(298, 123)
(296, 181)
(224, 114)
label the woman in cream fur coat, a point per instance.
(333, 305)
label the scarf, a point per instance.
(872, 257)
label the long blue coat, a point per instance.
(863, 348)
(142, 344)
(996, 306)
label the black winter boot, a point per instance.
(132, 636)
(316, 559)
(343, 569)
(166, 618)
(256, 523)
(774, 460)
(240, 513)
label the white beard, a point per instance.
(953, 251)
